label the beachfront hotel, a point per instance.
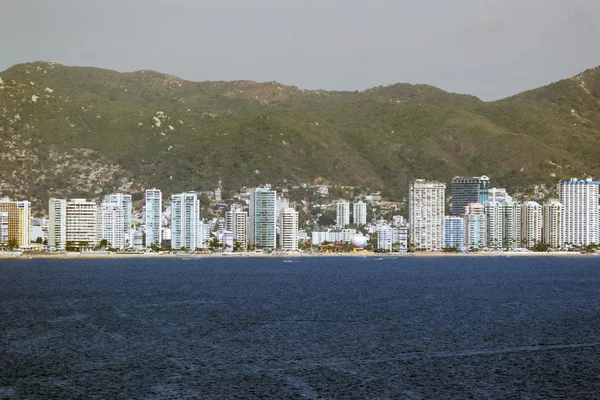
(426, 214)
(579, 220)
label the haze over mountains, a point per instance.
(73, 131)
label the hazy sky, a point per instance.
(491, 49)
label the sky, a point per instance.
(491, 49)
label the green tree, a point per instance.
(12, 244)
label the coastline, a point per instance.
(89, 256)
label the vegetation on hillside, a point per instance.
(67, 131)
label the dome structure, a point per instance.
(358, 241)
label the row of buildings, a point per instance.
(488, 218)
(76, 224)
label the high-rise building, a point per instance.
(236, 221)
(454, 232)
(153, 217)
(111, 221)
(467, 190)
(494, 214)
(262, 231)
(511, 224)
(82, 224)
(342, 217)
(185, 218)
(359, 213)
(16, 225)
(499, 195)
(475, 226)
(531, 224)
(124, 201)
(426, 208)
(579, 223)
(552, 221)
(288, 237)
(57, 223)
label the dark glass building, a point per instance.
(467, 190)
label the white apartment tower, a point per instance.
(185, 220)
(552, 221)
(475, 226)
(288, 237)
(359, 213)
(124, 201)
(111, 225)
(579, 223)
(236, 221)
(82, 223)
(342, 217)
(531, 224)
(262, 229)
(153, 217)
(426, 204)
(57, 223)
(511, 224)
(495, 222)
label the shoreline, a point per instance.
(75, 256)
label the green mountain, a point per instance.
(72, 131)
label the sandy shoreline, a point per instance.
(284, 255)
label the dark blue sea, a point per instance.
(313, 328)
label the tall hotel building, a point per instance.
(359, 213)
(236, 221)
(125, 203)
(531, 224)
(467, 190)
(288, 237)
(342, 217)
(153, 217)
(579, 222)
(15, 222)
(551, 236)
(511, 224)
(495, 223)
(185, 220)
(82, 224)
(475, 226)
(426, 214)
(262, 231)
(57, 223)
(111, 221)
(454, 232)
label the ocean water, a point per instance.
(313, 328)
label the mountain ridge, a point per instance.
(88, 131)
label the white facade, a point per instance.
(111, 225)
(236, 221)
(359, 213)
(426, 208)
(125, 202)
(57, 223)
(551, 234)
(511, 224)
(498, 195)
(531, 224)
(333, 235)
(288, 237)
(82, 223)
(579, 223)
(153, 217)
(475, 226)
(342, 216)
(494, 214)
(185, 219)
(454, 232)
